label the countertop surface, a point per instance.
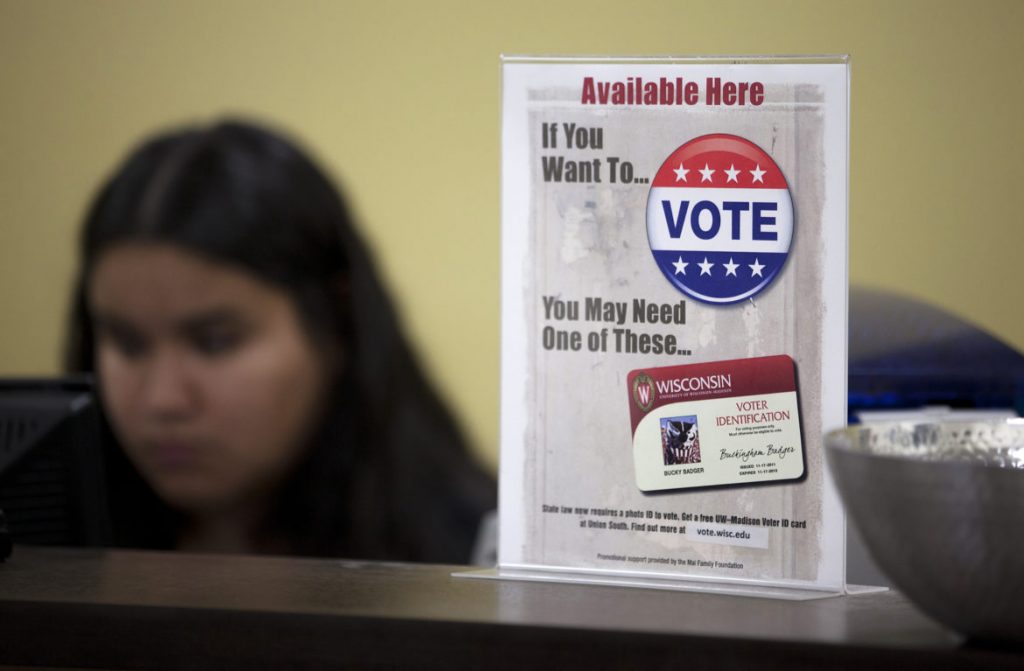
(130, 609)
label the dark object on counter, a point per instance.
(908, 354)
(5, 538)
(52, 487)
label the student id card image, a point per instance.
(718, 423)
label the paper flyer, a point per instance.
(674, 250)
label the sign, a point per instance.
(674, 320)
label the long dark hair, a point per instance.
(388, 475)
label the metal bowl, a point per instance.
(941, 509)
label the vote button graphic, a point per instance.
(720, 219)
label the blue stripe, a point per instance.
(715, 285)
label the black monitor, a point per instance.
(52, 475)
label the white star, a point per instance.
(731, 174)
(756, 268)
(730, 268)
(681, 173)
(758, 174)
(705, 268)
(705, 174)
(680, 266)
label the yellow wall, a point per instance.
(401, 101)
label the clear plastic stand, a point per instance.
(858, 590)
(574, 577)
(588, 495)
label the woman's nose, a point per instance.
(167, 390)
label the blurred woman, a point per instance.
(258, 389)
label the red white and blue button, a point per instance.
(720, 219)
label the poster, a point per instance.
(674, 250)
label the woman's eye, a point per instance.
(212, 343)
(128, 345)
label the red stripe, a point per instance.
(749, 377)
(721, 152)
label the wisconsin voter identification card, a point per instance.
(718, 423)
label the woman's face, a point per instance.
(209, 378)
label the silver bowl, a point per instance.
(941, 509)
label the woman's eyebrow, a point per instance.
(219, 316)
(215, 317)
(111, 322)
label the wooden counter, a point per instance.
(118, 609)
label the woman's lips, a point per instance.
(175, 454)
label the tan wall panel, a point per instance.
(401, 101)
